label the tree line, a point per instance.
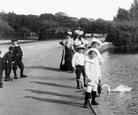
(122, 31)
(46, 24)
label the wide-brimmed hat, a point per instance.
(97, 41)
(69, 33)
(77, 32)
(81, 32)
(80, 47)
(92, 49)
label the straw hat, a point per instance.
(80, 47)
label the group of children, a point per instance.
(87, 61)
(11, 60)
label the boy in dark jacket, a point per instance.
(1, 70)
(8, 60)
(18, 59)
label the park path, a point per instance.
(46, 90)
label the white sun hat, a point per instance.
(97, 41)
(92, 49)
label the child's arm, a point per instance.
(5, 58)
(100, 57)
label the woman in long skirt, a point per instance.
(67, 54)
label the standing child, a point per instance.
(92, 73)
(8, 59)
(78, 65)
(1, 70)
(96, 43)
(18, 60)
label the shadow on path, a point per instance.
(46, 68)
(55, 94)
(52, 84)
(56, 101)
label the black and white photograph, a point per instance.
(68, 57)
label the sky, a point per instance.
(105, 9)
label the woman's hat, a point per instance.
(92, 49)
(80, 32)
(80, 47)
(97, 41)
(77, 32)
(69, 33)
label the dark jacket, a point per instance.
(8, 57)
(17, 51)
(1, 63)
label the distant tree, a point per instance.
(5, 29)
(47, 16)
(60, 14)
(84, 22)
(122, 15)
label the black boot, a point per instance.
(9, 77)
(15, 75)
(78, 84)
(1, 84)
(22, 75)
(85, 84)
(86, 100)
(6, 77)
(93, 98)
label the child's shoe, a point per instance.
(94, 103)
(85, 105)
(7, 79)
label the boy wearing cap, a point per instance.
(92, 73)
(8, 60)
(78, 65)
(18, 59)
(1, 70)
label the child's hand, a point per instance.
(74, 68)
(89, 80)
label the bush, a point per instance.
(123, 34)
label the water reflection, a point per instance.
(121, 69)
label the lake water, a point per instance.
(120, 69)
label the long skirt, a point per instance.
(66, 60)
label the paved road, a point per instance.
(46, 90)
